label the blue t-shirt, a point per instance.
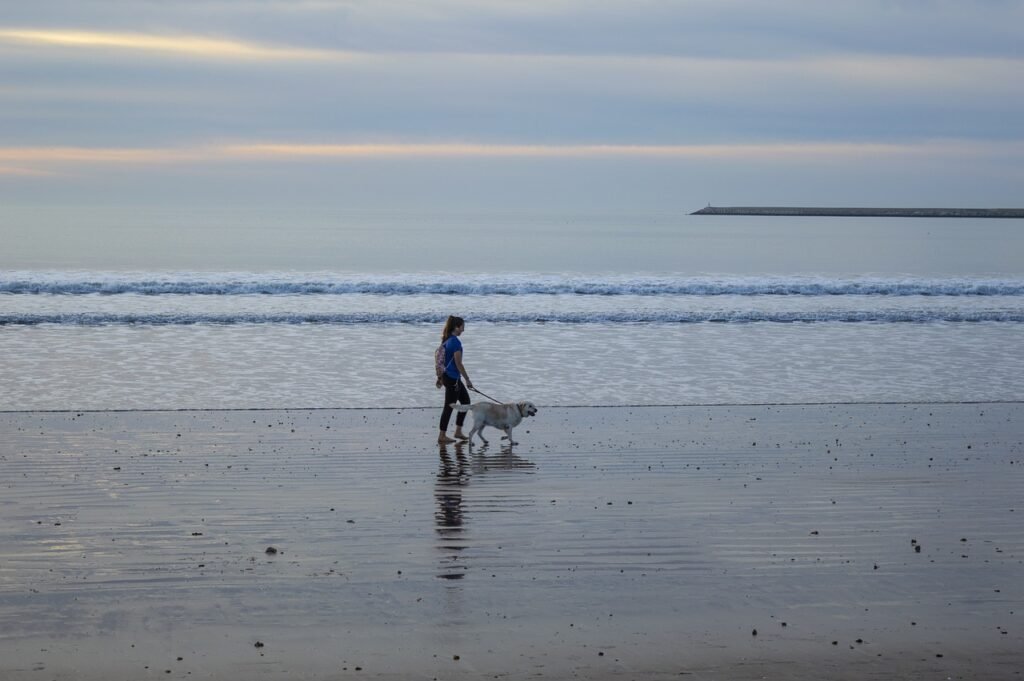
(451, 346)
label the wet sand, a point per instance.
(745, 542)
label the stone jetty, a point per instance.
(804, 211)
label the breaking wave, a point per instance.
(460, 285)
(695, 317)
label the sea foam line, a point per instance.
(512, 286)
(689, 317)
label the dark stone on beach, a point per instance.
(754, 632)
(271, 551)
(917, 548)
(259, 644)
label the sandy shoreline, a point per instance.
(611, 543)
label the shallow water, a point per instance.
(261, 366)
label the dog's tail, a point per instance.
(460, 407)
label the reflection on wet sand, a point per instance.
(452, 476)
(455, 471)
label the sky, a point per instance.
(117, 107)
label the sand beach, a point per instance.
(724, 542)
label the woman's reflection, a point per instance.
(452, 476)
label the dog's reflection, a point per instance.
(504, 459)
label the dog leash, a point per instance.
(486, 395)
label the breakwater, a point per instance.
(804, 211)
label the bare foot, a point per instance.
(459, 435)
(444, 440)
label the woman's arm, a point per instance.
(462, 370)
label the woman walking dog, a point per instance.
(453, 377)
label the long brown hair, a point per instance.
(450, 325)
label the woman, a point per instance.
(452, 379)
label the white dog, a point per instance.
(502, 416)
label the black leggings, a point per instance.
(454, 390)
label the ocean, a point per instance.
(200, 310)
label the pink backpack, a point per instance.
(439, 365)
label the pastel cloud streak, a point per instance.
(52, 157)
(903, 71)
(188, 45)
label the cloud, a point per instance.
(272, 151)
(181, 45)
(24, 172)
(275, 152)
(294, 88)
(770, 151)
(724, 28)
(78, 155)
(520, 99)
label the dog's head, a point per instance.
(526, 408)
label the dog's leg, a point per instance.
(477, 427)
(508, 436)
